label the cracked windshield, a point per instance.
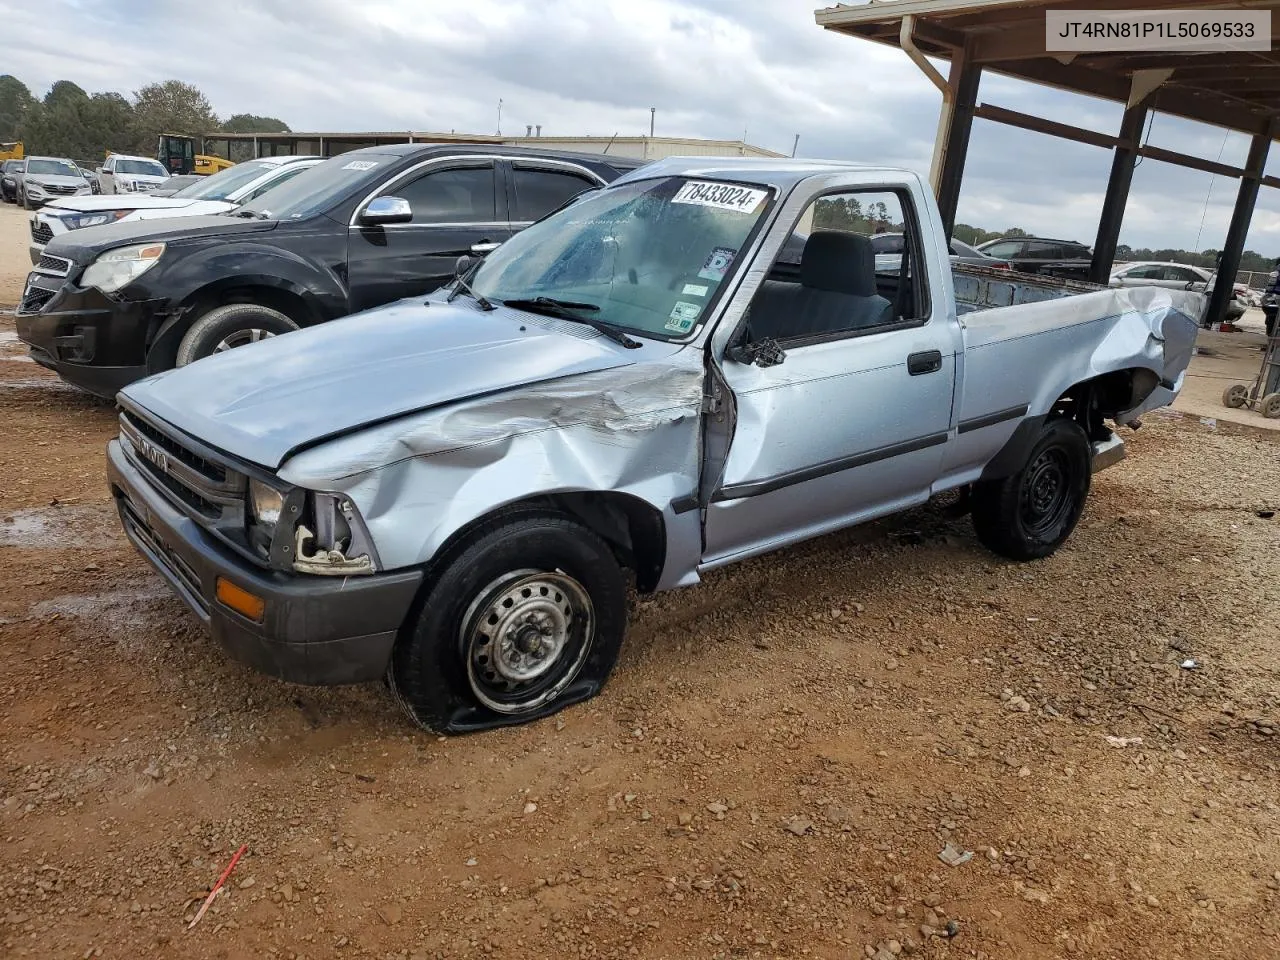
(648, 257)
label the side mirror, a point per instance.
(463, 264)
(383, 210)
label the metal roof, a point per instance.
(1237, 89)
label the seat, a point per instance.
(836, 292)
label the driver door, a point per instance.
(458, 208)
(853, 421)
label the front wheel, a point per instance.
(1030, 514)
(526, 617)
(231, 326)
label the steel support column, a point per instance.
(1122, 161)
(964, 79)
(1246, 199)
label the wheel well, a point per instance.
(163, 352)
(1091, 401)
(634, 530)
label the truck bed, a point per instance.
(982, 288)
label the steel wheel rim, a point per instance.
(242, 338)
(524, 638)
(1046, 493)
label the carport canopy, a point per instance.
(1235, 89)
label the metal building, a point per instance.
(1233, 89)
(245, 146)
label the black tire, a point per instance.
(457, 665)
(26, 201)
(1030, 514)
(1271, 322)
(226, 324)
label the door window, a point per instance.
(460, 195)
(1005, 250)
(1039, 250)
(837, 289)
(1148, 272)
(538, 192)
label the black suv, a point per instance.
(1061, 258)
(108, 305)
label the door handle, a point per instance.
(929, 361)
(485, 247)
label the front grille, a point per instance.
(57, 266)
(35, 298)
(60, 189)
(196, 501)
(40, 232)
(208, 492)
(214, 472)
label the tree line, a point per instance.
(70, 122)
(1250, 260)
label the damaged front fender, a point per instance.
(418, 480)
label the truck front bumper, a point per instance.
(313, 630)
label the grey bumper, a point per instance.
(314, 630)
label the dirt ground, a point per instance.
(772, 772)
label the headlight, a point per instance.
(116, 269)
(77, 220)
(265, 503)
(130, 185)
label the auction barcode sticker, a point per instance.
(1161, 30)
(724, 196)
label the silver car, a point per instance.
(1177, 276)
(455, 491)
(42, 179)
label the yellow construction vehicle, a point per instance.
(178, 154)
(11, 150)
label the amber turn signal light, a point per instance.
(240, 600)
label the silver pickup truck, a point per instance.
(694, 365)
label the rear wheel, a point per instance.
(525, 618)
(1031, 513)
(231, 326)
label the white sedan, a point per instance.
(218, 193)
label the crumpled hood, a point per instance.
(265, 401)
(120, 201)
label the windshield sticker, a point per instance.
(683, 316)
(360, 165)
(695, 290)
(722, 196)
(717, 264)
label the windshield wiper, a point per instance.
(461, 286)
(251, 214)
(560, 308)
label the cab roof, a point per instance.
(764, 171)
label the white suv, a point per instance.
(123, 174)
(218, 193)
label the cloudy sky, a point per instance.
(712, 68)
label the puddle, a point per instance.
(8, 336)
(52, 528)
